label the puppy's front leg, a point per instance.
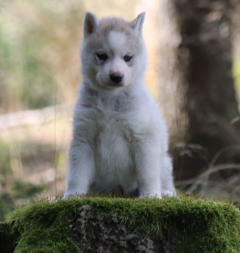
(81, 168)
(147, 160)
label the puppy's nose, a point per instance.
(116, 77)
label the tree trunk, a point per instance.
(210, 102)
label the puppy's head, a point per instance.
(113, 52)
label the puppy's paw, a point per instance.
(168, 194)
(150, 195)
(66, 196)
(72, 195)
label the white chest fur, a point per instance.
(114, 160)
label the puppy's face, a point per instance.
(113, 52)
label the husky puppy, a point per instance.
(120, 141)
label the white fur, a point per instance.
(117, 40)
(120, 141)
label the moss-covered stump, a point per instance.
(123, 225)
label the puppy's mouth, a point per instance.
(115, 85)
(111, 86)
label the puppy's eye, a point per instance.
(102, 56)
(127, 58)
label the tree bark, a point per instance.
(205, 57)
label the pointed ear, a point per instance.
(90, 24)
(137, 23)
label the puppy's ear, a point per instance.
(137, 23)
(90, 24)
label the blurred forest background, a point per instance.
(193, 71)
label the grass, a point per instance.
(197, 225)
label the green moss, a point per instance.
(200, 226)
(44, 227)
